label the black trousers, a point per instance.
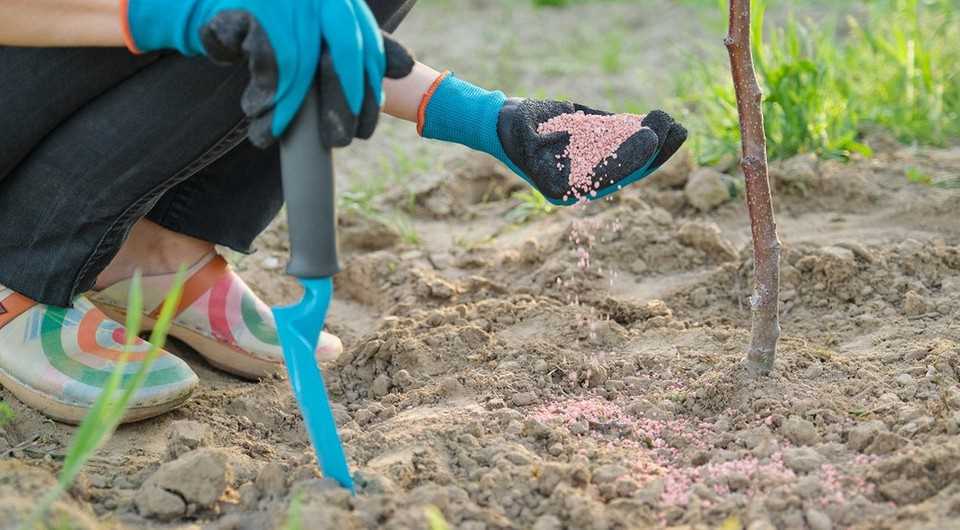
(94, 139)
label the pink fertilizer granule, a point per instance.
(594, 139)
(650, 448)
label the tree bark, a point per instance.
(765, 302)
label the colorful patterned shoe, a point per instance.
(57, 360)
(219, 317)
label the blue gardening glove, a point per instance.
(289, 45)
(457, 111)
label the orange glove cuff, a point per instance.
(125, 27)
(425, 100)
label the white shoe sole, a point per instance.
(74, 414)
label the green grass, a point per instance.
(294, 520)
(6, 414)
(826, 84)
(365, 196)
(949, 184)
(551, 3)
(435, 520)
(611, 59)
(918, 176)
(532, 205)
(107, 411)
(399, 221)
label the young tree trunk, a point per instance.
(765, 302)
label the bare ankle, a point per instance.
(153, 250)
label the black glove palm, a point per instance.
(544, 157)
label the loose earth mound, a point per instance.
(580, 370)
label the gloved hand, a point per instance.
(283, 41)
(510, 130)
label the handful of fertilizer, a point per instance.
(574, 153)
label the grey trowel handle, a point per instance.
(307, 167)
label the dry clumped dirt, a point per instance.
(580, 371)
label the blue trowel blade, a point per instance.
(299, 328)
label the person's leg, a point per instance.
(42, 87)
(228, 203)
(151, 249)
(92, 156)
(70, 203)
(57, 359)
(231, 201)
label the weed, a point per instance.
(611, 60)
(364, 197)
(360, 200)
(551, 3)
(294, 519)
(435, 519)
(948, 184)
(6, 414)
(107, 411)
(473, 244)
(399, 221)
(395, 170)
(532, 205)
(917, 176)
(408, 233)
(406, 165)
(894, 70)
(731, 523)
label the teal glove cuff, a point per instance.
(162, 24)
(467, 114)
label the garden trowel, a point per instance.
(308, 189)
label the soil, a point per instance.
(581, 370)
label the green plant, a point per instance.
(532, 206)
(6, 414)
(364, 195)
(294, 519)
(823, 87)
(731, 523)
(611, 61)
(917, 176)
(408, 232)
(435, 519)
(807, 91)
(551, 3)
(107, 411)
(948, 184)
(362, 205)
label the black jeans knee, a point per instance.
(95, 139)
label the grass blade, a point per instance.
(108, 410)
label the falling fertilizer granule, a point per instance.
(594, 139)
